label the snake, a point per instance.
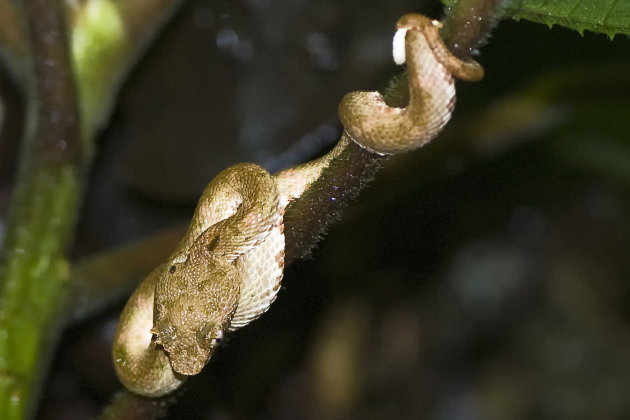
(227, 269)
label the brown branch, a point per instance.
(307, 218)
(13, 45)
(468, 24)
(57, 113)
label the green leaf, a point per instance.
(611, 17)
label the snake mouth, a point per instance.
(186, 356)
(189, 364)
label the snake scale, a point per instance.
(227, 269)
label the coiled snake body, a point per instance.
(227, 269)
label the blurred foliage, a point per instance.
(607, 17)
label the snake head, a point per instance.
(194, 303)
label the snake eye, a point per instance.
(206, 334)
(172, 269)
(212, 244)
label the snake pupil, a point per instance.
(213, 243)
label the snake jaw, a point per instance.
(188, 363)
(188, 351)
(189, 356)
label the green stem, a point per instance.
(34, 274)
(108, 36)
(44, 205)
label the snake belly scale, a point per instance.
(227, 269)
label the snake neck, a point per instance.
(293, 182)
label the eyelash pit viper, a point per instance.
(227, 269)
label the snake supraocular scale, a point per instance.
(227, 269)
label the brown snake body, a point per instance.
(228, 267)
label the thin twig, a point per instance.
(307, 218)
(468, 24)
